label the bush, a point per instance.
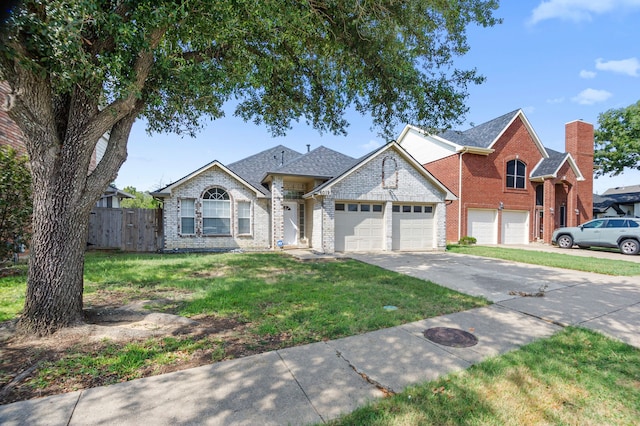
(15, 202)
(467, 241)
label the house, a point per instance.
(112, 197)
(621, 201)
(510, 189)
(322, 200)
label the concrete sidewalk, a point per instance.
(318, 382)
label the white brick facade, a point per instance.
(388, 177)
(193, 189)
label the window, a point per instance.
(417, 209)
(594, 224)
(428, 209)
(395, 209)
(406, 209)
(352, 207)
(244, 217)
(216, 212)
(339, 207)
(187, 216)
(377, 208)
(365, 207)
(516, 171)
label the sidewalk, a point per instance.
(318, 382)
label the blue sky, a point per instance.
(558, 60)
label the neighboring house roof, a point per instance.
(363, 160)
(622, 190)
(112, 191)
(550, 166)
(614, 200)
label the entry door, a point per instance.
(290, 223)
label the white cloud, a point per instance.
(577, 10)
(587, 74)
(555, 101)
(591, 96)
(371, 145)
(629, 66)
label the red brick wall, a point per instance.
(446, 171)
(579, 143)
(10, 133)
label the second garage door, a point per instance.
(413, 227)
(515, 227)
(483, 225)
(358, 227)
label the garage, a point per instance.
(358, 226)
(515, 227)
(483, 225)
(412, 227)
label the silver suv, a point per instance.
(623, 233)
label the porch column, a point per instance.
(277, 211)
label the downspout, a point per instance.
(460, 195)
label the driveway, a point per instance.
(601, 302)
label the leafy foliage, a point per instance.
(618, 140)
(15, 201)
(142, 200)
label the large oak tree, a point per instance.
(81, 69)
(617, 140)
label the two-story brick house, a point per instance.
(510, 189)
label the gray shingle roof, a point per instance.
(253, 168)
(481, 136)
(548, 166)
(321, 162)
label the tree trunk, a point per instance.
(56, 263)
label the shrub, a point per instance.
(467, 241)
(15, 202)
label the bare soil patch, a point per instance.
(107, 323)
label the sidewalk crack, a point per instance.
(387, 391)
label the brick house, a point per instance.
(510, 189)
(322, 199)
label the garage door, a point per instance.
(515, 227)
(358, 227)
(483, 225)
(412, 227)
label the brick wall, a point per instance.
(10, 133)
(580, 144)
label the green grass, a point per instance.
(277, 294)
(557, 260)
(576, 377)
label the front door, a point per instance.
(290, 223)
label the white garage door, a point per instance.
(358, 227)
(515, 227)
(483, 225)
(412, 227)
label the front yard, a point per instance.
(239, 304)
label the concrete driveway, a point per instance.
(605, 303)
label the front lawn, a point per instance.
(576, 377)
(556, 260)
(247, 303)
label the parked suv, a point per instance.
(623, 233)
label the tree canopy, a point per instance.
(618, 140)
(82, 69)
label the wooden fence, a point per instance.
(136, 230)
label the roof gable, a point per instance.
(393, 145)
(166, 191)
(550, 166)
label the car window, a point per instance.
(616, 223)
(594, 224)
(632, 224)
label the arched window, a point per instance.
(516, 174)
(216, 212)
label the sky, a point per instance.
(557, 60)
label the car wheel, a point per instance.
(565, 241)
(629, 246)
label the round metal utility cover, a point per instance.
(453, 337)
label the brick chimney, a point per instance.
(579, 143)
